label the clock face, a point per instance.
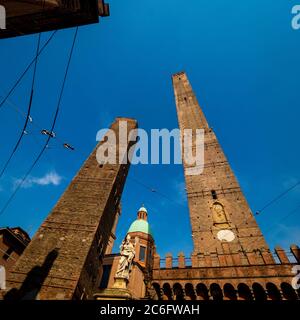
(226, 235)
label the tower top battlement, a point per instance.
(178, 74)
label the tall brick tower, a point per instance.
(231, 260)
(221, 219)
(64, 259)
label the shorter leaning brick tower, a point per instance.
(64, 259)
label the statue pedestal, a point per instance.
(119, 291)
(120, 283)
(113, 294)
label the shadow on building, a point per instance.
(31, 286)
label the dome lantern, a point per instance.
(141, 224)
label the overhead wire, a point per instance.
(15, 85)
(20, 183)
(27, 119)
(281, 195)
(284, 218)
(155, 191)
(33, 122)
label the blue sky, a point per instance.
(242, 58)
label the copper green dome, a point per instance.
(140, 225)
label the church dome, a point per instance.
(140, 225)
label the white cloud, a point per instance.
(50, 178)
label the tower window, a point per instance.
(214, 194)
(142, 253)
(8, 253)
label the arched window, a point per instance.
(202, 292)
(216, 292)
(244, 292)
(273, 291)
(178, 292)
(259, 292)
(229, 292)
(189, 292)
(156, 288)
(288, 292)
(167, 292)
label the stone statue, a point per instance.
(219, 216)
(127, 250)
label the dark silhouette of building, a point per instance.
(33, 16)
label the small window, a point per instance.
(105, 276)
(8, 253)
(142, 254)
(214, 194)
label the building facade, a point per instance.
(13, 242)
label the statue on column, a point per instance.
(127, 250)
